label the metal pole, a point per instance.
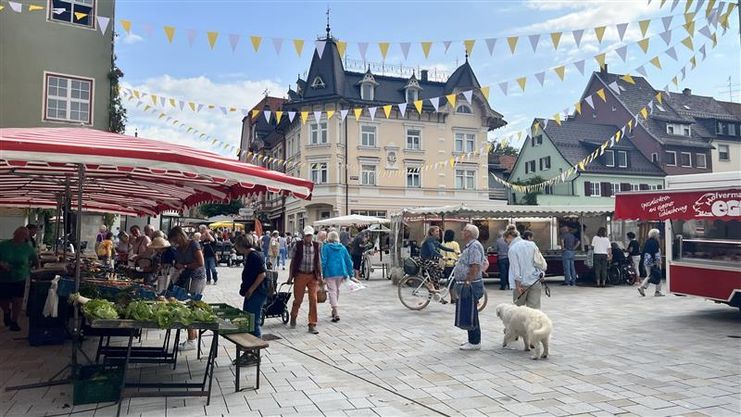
(78, 256)
(347, 178)
(60, 204)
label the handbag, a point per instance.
(655, 277)
(466, 313)
(321, 294)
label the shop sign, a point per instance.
(680, 205)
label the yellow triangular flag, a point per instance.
(426, 48)
(126, 25)
(298, 45)
(485, 92)
(675, 81)
(644, 113)
(80, 15)
(628, 79)
(154, 98)
(384, 48)
(600, 60)
(304, 117)
(656, 62)
(232, 109)
(512, 42)
(192, 105)
(341, 48)
(330, 113)
(560, 71)
(255, 112)
(577, 107)
(556, 39)
(468, 44)
(600, 32)
(693, 61)
(33, 8)
(618, 136)
(643, 43)
(278, 116)
(724, 20)
(715, 40)
(256, 40)
(357, 111)
(452, 162)
(387, 110)
(644, 26)
(162, 115)
(451, 99)
(708, 9)
(601, 94)
(688, 5)
(418, 106)
(690, 28)
(688, 43)
(212, 36)
(659, 97)
(522, 81)
(169, 32)
(173, 103)
(1, 7)
(557, 118)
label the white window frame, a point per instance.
(318, 133)
(466, 140)
(727, 153)
(366, 136)
(544, 163)
(68, 99)
(678, 129)
(412, 95)
(412, 173)
(635, 187)
(467, 110)
(93, 4)
(614, 188)
(465, 179)
(418, 137)
(368, 176)
(654, 157)
(610, 158)
(731, 129)
(596, 189)
(720, 128)
(371, 91)
(319, 172)
(675, 159)
(689, 158)
(701, 157)
(625, 154)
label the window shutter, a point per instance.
(625, 186)
(643, 187)
(606, 189)
(587, 189)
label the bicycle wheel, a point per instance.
(483, 301)
(614, 275)
(367, 269)
(413, 292)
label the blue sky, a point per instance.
(238, 78)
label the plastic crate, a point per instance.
(98, 383)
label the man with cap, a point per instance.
(306, 274)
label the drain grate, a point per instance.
(269, 336)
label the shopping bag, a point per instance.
(466, 313)
(354, 286)
(321, 294)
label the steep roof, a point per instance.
(731, 107)
(462, 78)
(576, 140)
(700, 107)
(328, 69)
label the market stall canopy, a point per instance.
(125, 174)
(461, 210)
(223, 218)
(351, 220)
(226, 225)
(717, 204)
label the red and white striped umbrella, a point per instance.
(125, 174)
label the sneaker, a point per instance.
(470, 346)
(14, 327)
(313, 330)
(642, 291)
(656, 294)
(292, 325)
(187, 345)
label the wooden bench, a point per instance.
(247, 343)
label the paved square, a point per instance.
(612, 353)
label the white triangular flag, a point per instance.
(103, 23)
(490, 44)
(446, 44)
(277, 45)
(699, 5)
(435, 102)
(291, 116)
(667, 93)
(198, 109)
(667, 37)
(641, 70)
(705, 30)
(148, 29)
(58, 10)
(684, 73)
(468, 95)
(372, 112)
(614, 87)
(621, 30)
(405, 48)
(320, 47)
(267, 114)
(667, 21)
(17, 7)
(190, 34)
(402, 109)
(182, 105)
(622, 52)
(343, 114)
(674, 4)
(504, 86)
(672, 53)
(702, 50)
(162, 101)
(223, 109)
(534, 39)
(362, 48)
(540, 76)
(317, 116)
(245, 112)
(234, 41)
(545, 123)
(577, 36)
(589, 101)
(580, 66)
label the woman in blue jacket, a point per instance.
(336, 265)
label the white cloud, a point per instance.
(241, 94)
(129, 38)
(544, 5)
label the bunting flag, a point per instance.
(601, 94)
(512, 42)
(522, 81)
(80, 15)
(469, 44)
(278, 45)
(278, 116)
(426, 48)
(672, 53)
(504, 86)
(628, 79)
(578, 36)
(540, 76)
(600, 33)
(418, 106)
(357, 112)
(256, 41)
(33, 7)
(234, 41)
(621, 28)
(387, 110)
(451, 99)
(643, 24)
(468, 95)
(688, 43)
(212, 37)
(534, 39)
(372, 112)
(643, 43)
(342, 48)
(102, 22)
(402, 109)
(304, 117)
(656, 62)
(623, 53)
(298, 46)
(560, 71)
(580, 66)
(435, 101)
(556, 38)
(169, 33)
(384, 48)
(362, 48)
(485, 92)
(330, 113)
(317, 116)
(319, 46)
(667, 37)
(404, 49)
(577, 107)
(491, 43)
(343, 113)
(190, 34)
(600, 60)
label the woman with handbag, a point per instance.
(254, 286)
(189, 261)
(652, 262)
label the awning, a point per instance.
(710, 204)
(351, 220)
(134, 175)
(461, 210)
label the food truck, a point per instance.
(701, 215)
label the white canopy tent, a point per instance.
(352, 220)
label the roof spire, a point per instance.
(328, 30)
(466, 54)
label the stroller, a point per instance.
(277, 303)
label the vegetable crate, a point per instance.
(245, 322)
(98, 383)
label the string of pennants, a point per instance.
(558, 74)
(512, 41)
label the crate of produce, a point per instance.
(98, 383)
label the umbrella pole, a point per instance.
(58, 225)
(78, 256)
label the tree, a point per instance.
(210, 210)
(531, 198)
(116, 110)
(506, 150)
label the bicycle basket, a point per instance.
(411, 267)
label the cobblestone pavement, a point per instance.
(612, 353)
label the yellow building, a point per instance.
(375, 165)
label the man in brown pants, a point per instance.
(306, 274)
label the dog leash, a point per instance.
(546, 289)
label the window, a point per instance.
(412, 95)
(596, 189)
(465, 142)
(318, 133)
(545, 163)
(85, 10)
(537, 140)
(635, 187)
(368, 136)
(414, 139)
(464, 109)
(318, 173)
(686, 130)
(413, 178)
(720, 128)
(610, 158)
(655, 158)
(670, 129)
(731, 129)
(374, 213)
(317, 83)
(368, 174)
(465, 179)
(366, 91)
(671, 158)
(529, 166)
(678, 129)
(701, 160)
(614, 188)
(622, 159)
(68, 99)
(686, 159)
(724, 153)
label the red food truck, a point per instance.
(701, 215)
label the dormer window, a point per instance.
(412, 95)
(368, 86)
(412, 89)
(678, 129)
(318, 82)
(464, 109)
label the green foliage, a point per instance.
(100, 309)
(108, 219)
(210, 210)
(116, 110)
(531, 198)
(507, 150)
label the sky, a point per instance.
(240, 77)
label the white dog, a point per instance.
(532, 325)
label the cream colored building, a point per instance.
(379, 165)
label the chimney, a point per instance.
(423, 74)
(687, 92)
(603, 70)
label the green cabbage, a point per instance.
(100, 310)
(140, 310)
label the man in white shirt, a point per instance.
(524, 277)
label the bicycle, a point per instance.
(416, 292)
(366, 266)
